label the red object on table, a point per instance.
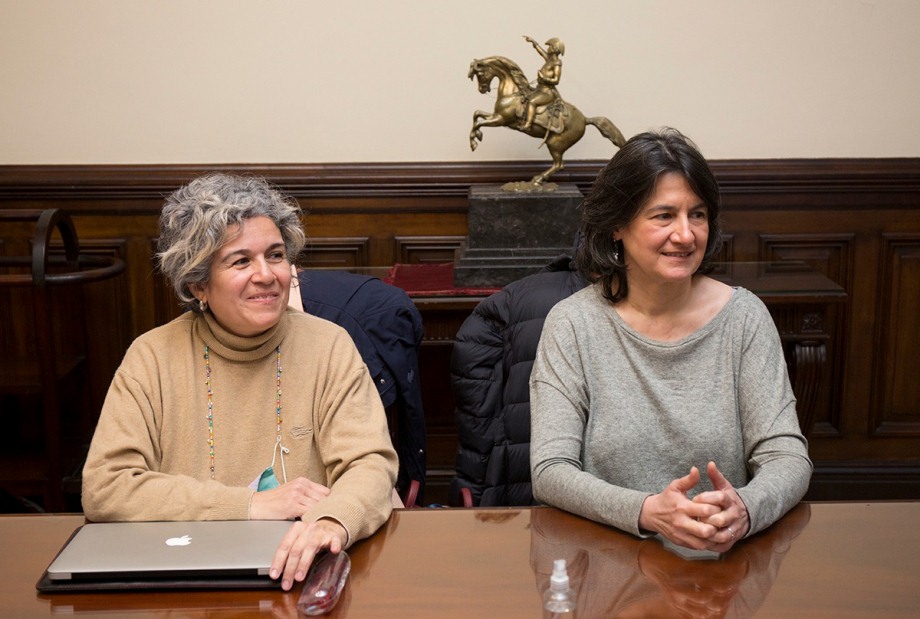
(435, 279)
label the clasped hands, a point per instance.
(304, 540)
(712, 520)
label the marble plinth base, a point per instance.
(513, 234)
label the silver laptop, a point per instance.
(169, 550)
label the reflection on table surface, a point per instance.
(622, 576)
(822, 559)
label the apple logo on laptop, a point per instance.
(185, 540)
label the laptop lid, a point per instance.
(169, 550)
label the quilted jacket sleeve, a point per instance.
(476, 377)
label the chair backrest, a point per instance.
(387, 330)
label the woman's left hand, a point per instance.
(301, 544)
(732, 521)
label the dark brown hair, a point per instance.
(624, 186)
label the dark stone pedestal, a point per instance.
(514, 234)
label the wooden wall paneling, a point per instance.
(162, 298)
(856, 220)
(440, 425)
(426, 249)
(336, 253)
(429, 220)
(832, 255)
(780, 223)
(895, 387)
(107, 308)
(856, 480)
(442, 319)
(134, 225)
(84, 352)
(727, 251)
(16, 328)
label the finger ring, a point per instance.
(730, 532)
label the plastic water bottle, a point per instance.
(559, 599)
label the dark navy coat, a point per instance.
(387, 330)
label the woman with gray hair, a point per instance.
(192, 426)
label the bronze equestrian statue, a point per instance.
(539, 110)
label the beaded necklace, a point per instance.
(207, 367)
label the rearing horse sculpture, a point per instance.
(559, 128)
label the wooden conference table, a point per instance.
(821, 560)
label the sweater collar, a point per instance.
(236, 347)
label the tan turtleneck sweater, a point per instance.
(149, 458)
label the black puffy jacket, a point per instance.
(490, 375)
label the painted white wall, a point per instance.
(300, 81)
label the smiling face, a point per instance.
(666, 241)
(250, 279)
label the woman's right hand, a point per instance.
(287, 501)
(301, 544)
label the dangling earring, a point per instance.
(202, 306)
(616, 250)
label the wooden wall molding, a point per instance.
(867, 481)
(832, 255)
(896, 390)
(337, 252)
(759, 180)
(427, 249)
(114, 324)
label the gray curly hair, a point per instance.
(197, 219)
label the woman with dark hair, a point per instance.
(196, 425)
(657, 372)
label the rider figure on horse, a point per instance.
(548, 77)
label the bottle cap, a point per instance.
(559, 581)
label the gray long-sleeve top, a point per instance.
(617, 416)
